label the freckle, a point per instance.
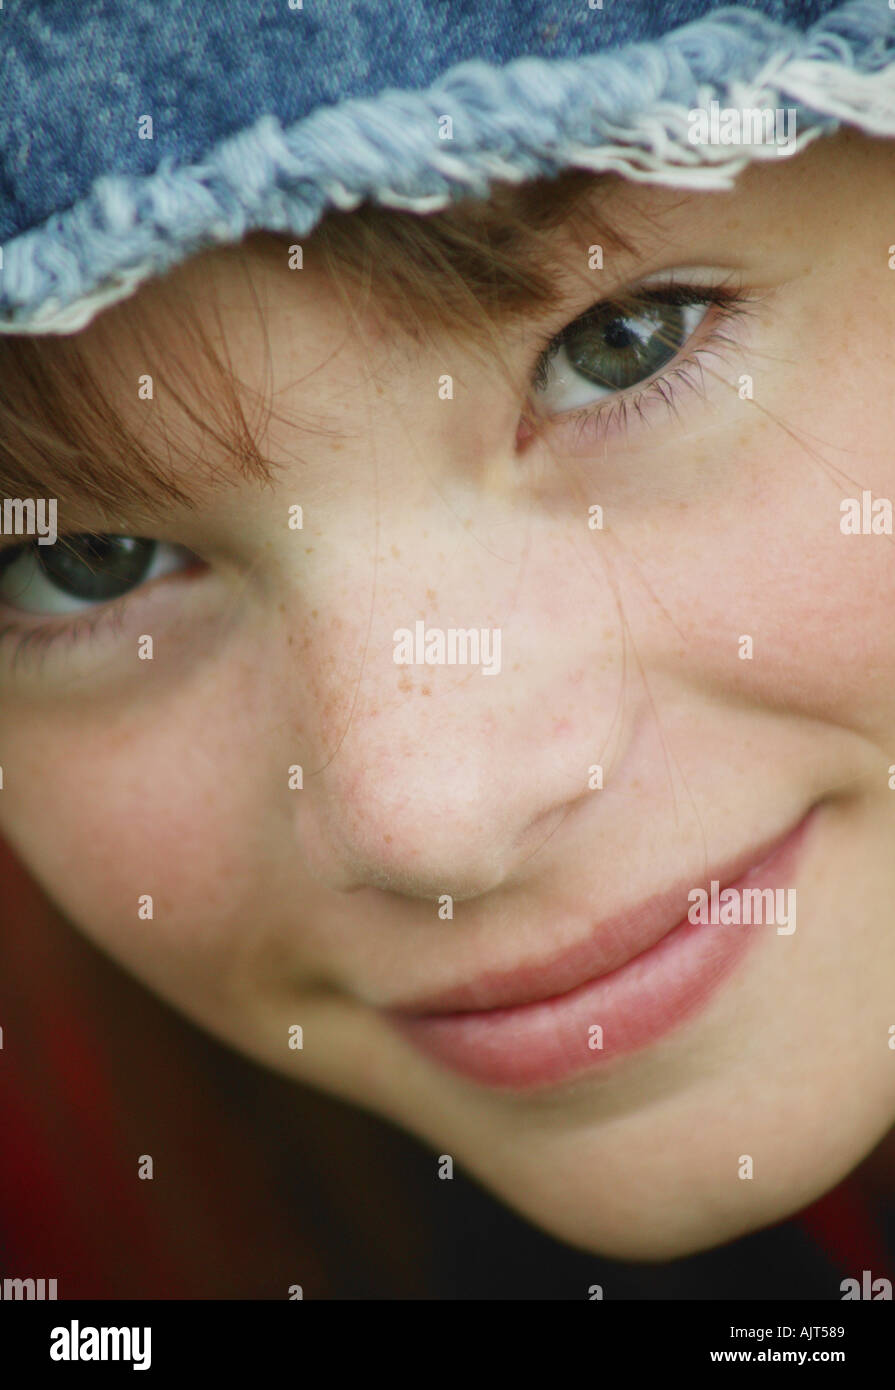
(309, 550)
(313, 612)
(388, 839)
(396, 552)
(405, 683)
(426, 690)
(431, 595)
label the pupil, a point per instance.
(617, 334)
(96, 567)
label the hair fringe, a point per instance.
(462, 272)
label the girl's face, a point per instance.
(719, 653)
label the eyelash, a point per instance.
(596, 421)
(591, 421)
(36, 641)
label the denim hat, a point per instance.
(133, 133)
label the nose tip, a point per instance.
(423, 834)
(421, 829)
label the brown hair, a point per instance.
(464, 270)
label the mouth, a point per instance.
(635, 978)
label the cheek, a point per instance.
(157, 809)
(765, 593)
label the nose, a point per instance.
(424, 813)
(441, 779)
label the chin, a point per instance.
(638, 1227)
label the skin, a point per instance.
(274, 906)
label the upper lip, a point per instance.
(611, 944)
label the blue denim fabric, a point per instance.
(265, 116)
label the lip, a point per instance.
(638, 974)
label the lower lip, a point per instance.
(531, 1046)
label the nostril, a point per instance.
(539, 835)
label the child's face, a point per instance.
(621, 647)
